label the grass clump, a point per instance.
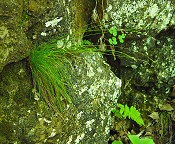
(51, 69)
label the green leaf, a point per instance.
(114, 41)
(117, 114)
(117, 142)
(122, 108)
(131, 112)
(113, 110)
(113, 31)
(126, 111)
(110, 41)
(121, 37)
(135, 115)
(135, 139)
(146, 141)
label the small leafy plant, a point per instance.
(124, 111)
(114, 32)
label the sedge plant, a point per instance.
(51, 69)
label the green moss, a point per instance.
(6, 130)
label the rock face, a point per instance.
(24, 116)
(15, 101)
(15, 81)
(148, 69)
(95, 92)
(25, 24)
(14, 44)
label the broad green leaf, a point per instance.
(154, 115)
(113, 41)
(146, 141)
(117, 114)
(166, 107)
(115, 32)
(111, 30)
(134, 139)
(135, 115)
(110, 41)
(113, 110)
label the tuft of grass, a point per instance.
(51, 69)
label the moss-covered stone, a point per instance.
(149, 45)
(16, 109)
(95, 91)
(147, 67)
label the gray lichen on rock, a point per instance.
(146, 17)
(149, 26)
(95, 91)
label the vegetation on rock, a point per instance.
(51, 68)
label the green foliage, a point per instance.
(86, 42)
(121, 38)
(114, 32)
(113, 41)
(124, 111)
(136, 140)
(51, 69)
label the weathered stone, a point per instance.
(16, 81)
(31, 22)
(95, 91)
(15, 102)
(14, 45)
(140, 17)
(95, 88)
(147, 67)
